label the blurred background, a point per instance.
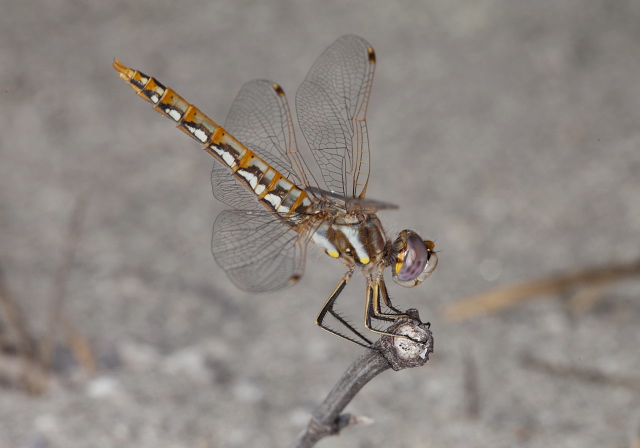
(507, 131)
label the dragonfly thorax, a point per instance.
(353, 237)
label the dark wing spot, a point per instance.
(278, 89)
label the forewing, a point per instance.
(257, 250)
(331, 105)
(260, 119)
(349, 204)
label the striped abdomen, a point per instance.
(272, 189)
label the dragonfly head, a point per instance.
(412, 259)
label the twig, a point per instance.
(498, 299)
(35, 356)
(397, 353)
(29, 372)
(60, 283)
(16, 320)
(77, 342)
(585, 298)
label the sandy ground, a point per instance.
(507, 131)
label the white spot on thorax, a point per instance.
(353, 236)
(320, 239)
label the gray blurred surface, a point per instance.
(509, 131)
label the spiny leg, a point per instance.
(373, 303)
(328, 308)
(387, 300)
(380, 290)
(369, 312)
(373, 307)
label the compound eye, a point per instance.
(416, 257)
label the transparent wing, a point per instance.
(257, 250)
(260, 119)
(229, 190)
(349, 204)
(331, 105)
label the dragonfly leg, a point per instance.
(372, 310)
(387, 300)
(328, 308)
(380, 290)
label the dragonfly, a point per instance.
(278, 206)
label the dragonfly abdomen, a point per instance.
(272, 189)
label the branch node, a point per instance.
(412, 350)
(318, 429)
(347, 420)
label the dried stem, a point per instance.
(498, 299)
(29, 372)
(35, 356)
(395, 352)
(56, 315)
